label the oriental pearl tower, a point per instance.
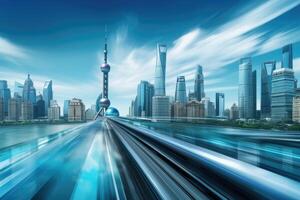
(105, 68)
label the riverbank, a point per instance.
(264, 125)
(16, 123)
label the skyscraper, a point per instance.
(267, 69)
(161, 108)
(29, 93)
(287, 57)
(247, 89)
(283, 91)
(160, 102)
(145, 92)
(199, 84)
(26, 110)
(14, 107)
(180, 91)
(160, 70)
(1, 109)
(47, 94)
(39, 108)
(220, 104)
(5, 95)
(253, 85)
(66, 108)
(18, 89)
(131, 109)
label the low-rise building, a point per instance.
(296, 106)
(195, 109)
(53, 111)
(76, 111)
(14, 108)
(234, 112)
(179, 110)
(26, 111)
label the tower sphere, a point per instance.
(105, 68)
(104, 102)
(112, 112)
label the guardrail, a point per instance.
(229, 177)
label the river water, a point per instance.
(11, 135)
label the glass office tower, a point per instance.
(5, 96)
(283, 91)
(247, 89)
(220, 104)
(160, 70)
(287, 57)
(253, 85)
(199, 84)
(180, 92)
(29, 94)
(267, 69)
(18, 89)
(145, 92)
(48, 95)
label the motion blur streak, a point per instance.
(118, 158)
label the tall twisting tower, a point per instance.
(105, 68)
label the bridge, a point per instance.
(120, 158)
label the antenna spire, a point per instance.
(105, 46)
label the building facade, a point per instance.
(199, 84)
(247, 89)
(14, 108)
(296, 106)
(76, 110)
(220, 104)
(254, 94)
(234, 112)
(66, 108)
(160, 70)
(29, 93)
(267, 69)
(180, 91)
(145, 92)
(90, 114)
(1, 109)
(5, 95)
(53, 111)
(47, 94)
(283, 91)
(179, 110)
(26, 111)
(209, 107)
(161, 108)
(287, 57)
(39, 108)
(195, 109)
(18, 89)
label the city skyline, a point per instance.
(26, 51)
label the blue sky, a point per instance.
(63, 41)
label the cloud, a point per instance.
(11, 50)
(213, 48)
